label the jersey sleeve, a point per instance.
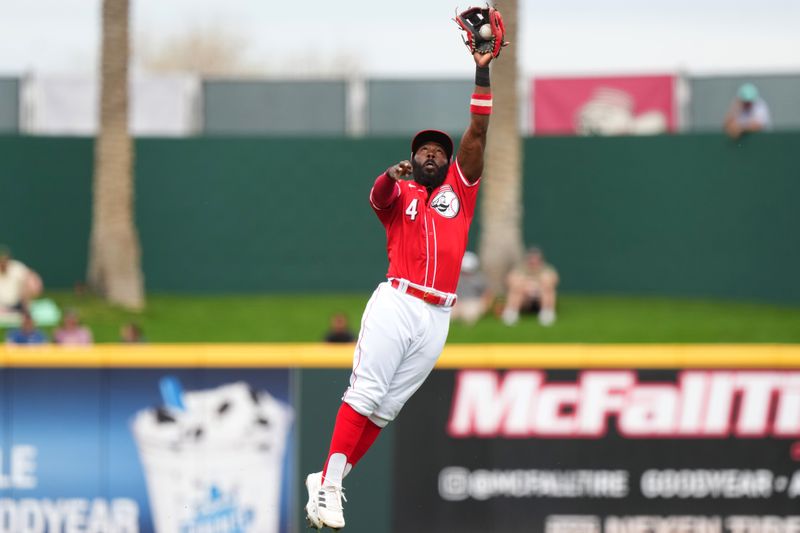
(467, 191)
(384, 196)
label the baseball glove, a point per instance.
(482, 41)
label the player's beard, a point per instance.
(427, 179)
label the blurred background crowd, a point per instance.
(232, 117)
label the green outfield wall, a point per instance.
(695, 215)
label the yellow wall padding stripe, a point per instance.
(454, 356)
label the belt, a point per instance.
(430, 297)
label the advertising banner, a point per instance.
(600, 451)
(150, 450)
(622, 105)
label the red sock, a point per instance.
(346, 435)
(368, 436)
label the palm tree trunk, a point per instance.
(114, 253)
(501, 209)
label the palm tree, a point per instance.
(114, 253)
(501, 209)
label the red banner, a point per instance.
(636, 105)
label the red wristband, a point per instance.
(481, 104)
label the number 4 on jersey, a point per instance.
(411, 211)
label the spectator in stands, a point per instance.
(72, 332)
(531, 288)
(131, 333)
(748, 113)
(27, 333)
(474, 294)
(18, 283)
(339, 330)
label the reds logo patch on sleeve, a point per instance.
(446, 202)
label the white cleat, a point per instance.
(313, 483)
(329, 506)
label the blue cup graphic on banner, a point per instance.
(172, 393)
(213, 459)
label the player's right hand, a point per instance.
(400, 170)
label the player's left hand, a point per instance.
(485, 31)
(482, 60)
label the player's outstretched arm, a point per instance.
(385, 191)
(473, 142)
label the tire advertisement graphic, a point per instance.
(146, 451)
(593, 451)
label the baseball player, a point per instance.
(405, 323)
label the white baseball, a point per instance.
(485, 31)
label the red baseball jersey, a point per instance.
(426, 236)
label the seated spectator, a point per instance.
(72, 332)
(27, 333)
(474, 295)
(18, 283)
(339, 330)
(531, 288)
(131, 333)
(748, 113)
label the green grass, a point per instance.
(304, 318)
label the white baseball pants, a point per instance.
(400, 341)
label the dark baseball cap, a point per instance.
(436, 136)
